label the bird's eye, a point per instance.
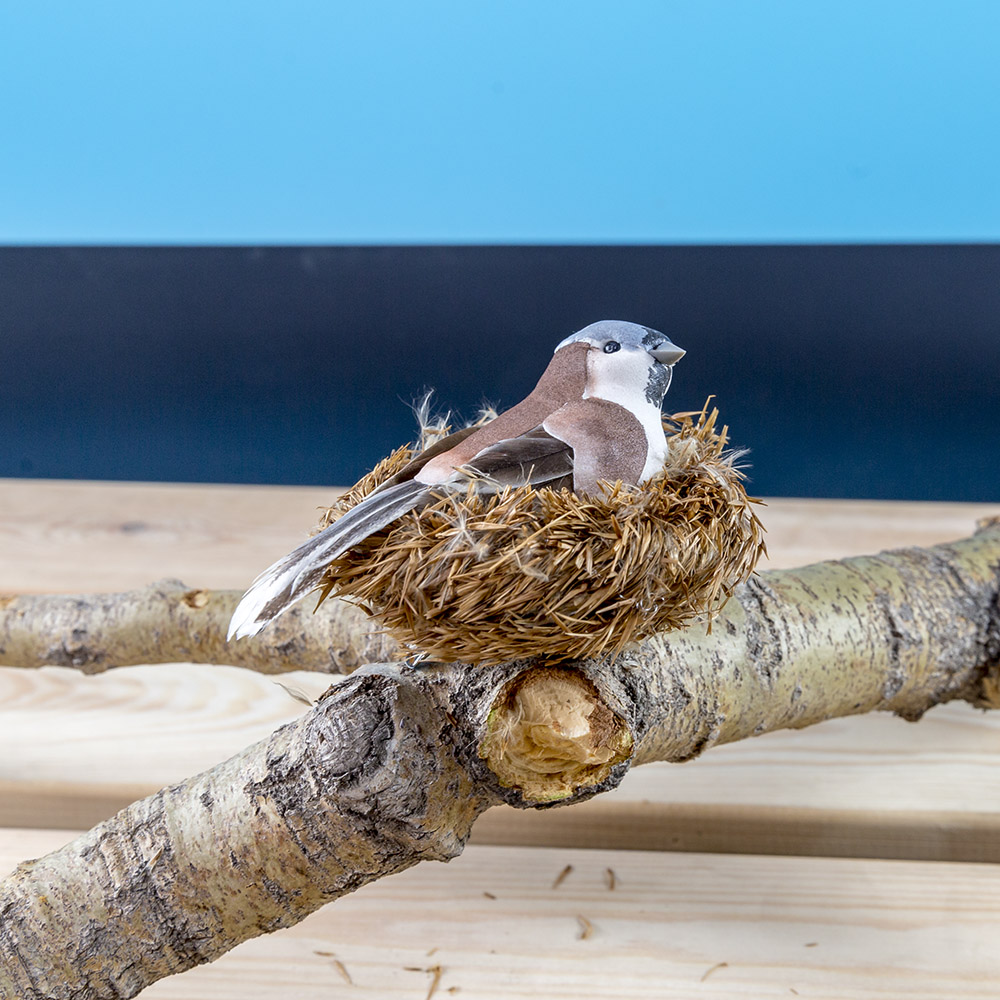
(611, 346)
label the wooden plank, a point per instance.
(70, 537)
(803, 531)
(73, 749)
(872, 786)
(620, 822)
(674, 926)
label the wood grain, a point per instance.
(674, 926)
(69, 537)
(73, 749)
(871, 786)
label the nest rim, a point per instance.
(540, 572)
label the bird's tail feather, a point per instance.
(294, 575)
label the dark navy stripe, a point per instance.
(864, 371)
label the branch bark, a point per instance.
(168, 622)
(364, 785)
(393, 765)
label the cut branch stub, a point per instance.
(550, 735)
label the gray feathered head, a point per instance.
(607, 333)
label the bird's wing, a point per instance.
(535, 458)
(294, 575)
(416, 464)
(607, 440)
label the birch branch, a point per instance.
(393, 765)
(168, 622)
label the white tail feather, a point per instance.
(295, 575)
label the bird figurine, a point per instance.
(593, 416)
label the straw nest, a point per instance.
(540, 572)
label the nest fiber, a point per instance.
(542, 572)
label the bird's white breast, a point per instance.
(622, 379)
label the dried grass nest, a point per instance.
(540, 572)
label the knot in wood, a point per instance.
(550, 735)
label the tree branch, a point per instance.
(364, 785)
(168, 622)
(393, 765)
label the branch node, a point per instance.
(550, 734)
(195, 598)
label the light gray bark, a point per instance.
(386, 770)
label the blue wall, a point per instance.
(857, 371)
(860, 370)
(508, 121)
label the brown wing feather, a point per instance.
(608, 442)
(415, 465)
(535, 458)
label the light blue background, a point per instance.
(469, 121)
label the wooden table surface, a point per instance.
(856, 849)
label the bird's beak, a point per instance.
(667, 353)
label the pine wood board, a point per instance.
(76, 537)
(71, 537)
(674, 926)
(73, 749)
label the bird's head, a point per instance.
(626, 359)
